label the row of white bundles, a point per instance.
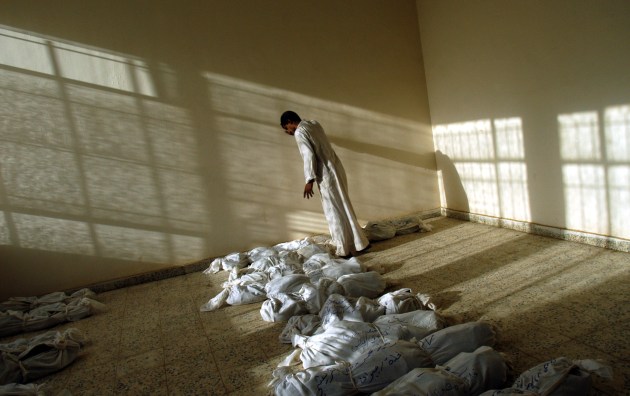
(251, 271)
(346, 340)
(484, 371)
(373, 371)
(364, 309)
(326, 295)
(284, 252)
(25, 360)
(26, 304)
(338, 307)
(382, 363)
(296, 286)
(49, 315)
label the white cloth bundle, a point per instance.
(295, 245)
(345, 341)
(482, 369)
(284, 269)
(246, 293)
(426, 381)
(374, 370)
(247, 289)
(25, 360)
(445, 344)
(311, 249)
(286, 284)
(386, 229)
(419, 323)
(406, 225)
(299, 325)
(278, 266)
(557, 377)
(291, 258)
(282, 307)
(403, 300)
(338, 307)
(236, 273)
(14, 389)
(379, 230)
(46, 316)
(232, 260)
(324, 265)
(465, 374)
(367, 284)
(264, 264)
(315, 295)
(260, 252)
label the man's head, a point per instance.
(289, 121)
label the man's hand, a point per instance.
(308, 190)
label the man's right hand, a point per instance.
(308, 190)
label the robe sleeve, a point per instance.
(308, 156)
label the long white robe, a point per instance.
(322, 165)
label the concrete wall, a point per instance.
(138, 136)
(530, 104)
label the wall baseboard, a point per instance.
(622, 245)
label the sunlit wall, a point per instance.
(529, 104)
(596, 170)
(138, 137)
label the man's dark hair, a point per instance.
(289, 116)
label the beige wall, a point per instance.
(530, 104)
(142, 135)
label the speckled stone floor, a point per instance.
(548, 297)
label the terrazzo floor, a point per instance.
(548, 297)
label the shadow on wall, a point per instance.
(451, 187)
(392, 154)
(112, 165)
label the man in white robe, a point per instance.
(322, 165)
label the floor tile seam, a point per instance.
(217, 366)
(613, 354)
(536, 359)
(571, 341)
(166, 376)
(543, 328)
(514, 356)
(119, 355)
(97, 367)
(518, 337)
(445, 242)
(586, 312)
(579, 335)
(118, 337)
(130, 375)
(211, 347)
(605, 356)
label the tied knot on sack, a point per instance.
(348, 367)
(375, 327)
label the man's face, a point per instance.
(290, 127)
